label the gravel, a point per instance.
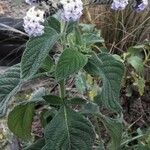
(11, 8)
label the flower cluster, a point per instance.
(71, 10)
(31, 2)
(140, 5)
(119, 4)
(33, 22)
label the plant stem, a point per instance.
(98, 130)
(62, 89)
(132, 139)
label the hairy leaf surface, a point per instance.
(69, 63)
(9, 84)
(115, 129)
(69, 131)
(37, 145)
(53, 100)
(111, 72)
(36, 51)
(20, 120)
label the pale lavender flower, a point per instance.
(31, 2)
(72, 10)
(140, 5)
(119, 4)
(33, 22)
(34, 29)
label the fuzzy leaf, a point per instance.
(9, 84)
(20, 120)
(36, 51)
(53, 100)
(137, 63)
(111, 72)
(53, 23)
(48, 64)
(37, 145)
(76, 101)
(90, 38)
(90, 108)
(115, 129)
(69, 63)
(69, 131)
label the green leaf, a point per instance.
(137, 63)
(53, 23)
(69, 63)
(87, 28)
(111, 72)
(76, 101)
(37, 145)
(36, 51)
(118, 57)
(90, 38)
(47, 64)
(100, 146)
(90, 108)
(139, 82)
(115, 129)
(47, 115)
(9, 85)
(80, 82)
(20, 120)
(53, 100)
(69, 131)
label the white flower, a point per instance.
(31, 2)
(33, 22)
(34, 29)
(35, 14)
(72, 10)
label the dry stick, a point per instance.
(132, 32)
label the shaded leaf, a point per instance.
(36, 51)
(90, 108)
(111, 72)
(76, 101)
(69, 130)
(69, 63)
(115, 129)
(20, 120)
(137, 63)
(9, 85)
(53, 23)
(53, 100)
(47, 64)
(80, 82)
(37, 145)
(90, 38)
